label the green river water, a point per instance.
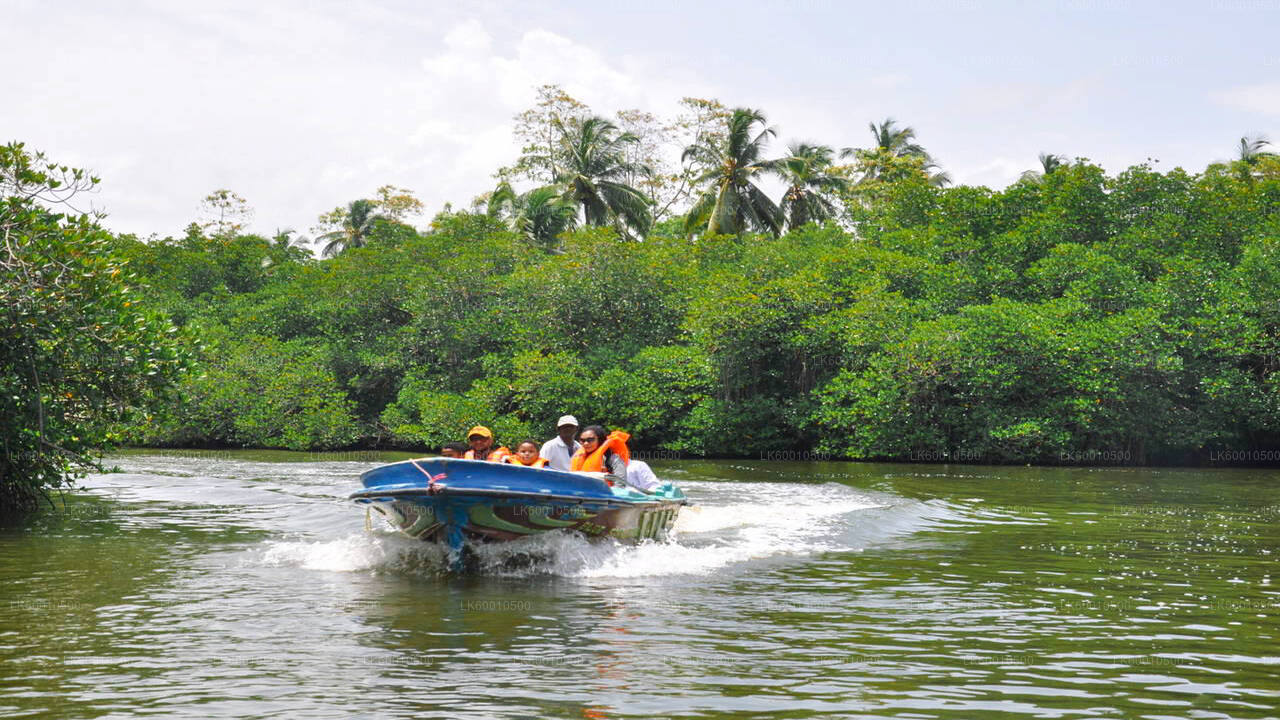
(245, 585)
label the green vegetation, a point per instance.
(871, 312)
(78, 352)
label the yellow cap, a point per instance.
(480, 430)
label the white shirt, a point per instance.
(557, 454)
(640, 475)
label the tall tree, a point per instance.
(811, 179)
(395, 203)
(540, 129)
(79, 348)
(898, 141)
(593, 169)
(353, 225)
(731, 202)
(668, 183)
(225, 213)
(894, 153)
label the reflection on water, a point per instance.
(243, 585)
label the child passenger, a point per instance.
(527, 455)
(453, 450)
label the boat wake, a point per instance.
(738, 523)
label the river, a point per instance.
(211, 585)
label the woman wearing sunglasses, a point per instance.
(602, 453)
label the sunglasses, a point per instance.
(588, 439)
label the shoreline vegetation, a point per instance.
(1212, 460)
(871, 311)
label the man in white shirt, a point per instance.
(558, 451)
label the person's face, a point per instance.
(527, 452)
(567, 432)
(589, 441)
(449, 452)
(479, 442)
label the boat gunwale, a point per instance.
(459, 493)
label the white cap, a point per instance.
(567, 420)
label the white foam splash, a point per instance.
(354, 553)
(707, 538)
(772, 519)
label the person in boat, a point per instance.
(559, 450)
(640, 476)
(526, 455)
(602, 453)
(480, 438)
(453, 449)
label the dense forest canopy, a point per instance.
(871, 310)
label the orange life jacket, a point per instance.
(537, 462)
(498, 454)
(616, 442)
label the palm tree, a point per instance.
(544, 213)
(732, 202)
(1251, 153)
(1251, 149)
(291, 245)
(539, 216)
(895, 151)
(1049, 163)
(357, 223)
(288, 238)
(593, 167)
(810, 180)
(501, 203)
(900, 142)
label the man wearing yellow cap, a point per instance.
(480, 438)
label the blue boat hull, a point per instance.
(451, 501)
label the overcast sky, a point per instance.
(304, 106)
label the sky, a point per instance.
(302, 106)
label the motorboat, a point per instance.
(453, 501)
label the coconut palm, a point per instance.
(731, 201)
(900, 142)
(544, 214)
(807, 170)
(1049, 163)
(593, 166)
(499, 204)
(1250, 154)
(1251, 149)
(289, 243)
(895, 152)
(540, 215)
(356, 225)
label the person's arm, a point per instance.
(617, 469)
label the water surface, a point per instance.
(246, 585)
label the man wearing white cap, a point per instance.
(559, 450)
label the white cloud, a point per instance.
(300, 106)
(471, 89)
(468, 36)
(297, 107)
